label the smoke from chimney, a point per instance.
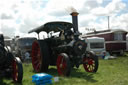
(71, 9)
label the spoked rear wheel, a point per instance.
(17, 70)
(36, 57)
(40, 56)
(90, 62)
(63, 65)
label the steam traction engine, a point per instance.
(65, 51)
(10, 66)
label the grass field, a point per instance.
(110, 72)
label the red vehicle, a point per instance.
(115, 40)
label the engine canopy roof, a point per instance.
(55, 26)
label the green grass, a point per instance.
(110, 72)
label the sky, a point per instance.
(17, 17)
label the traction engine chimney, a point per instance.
(75, 21)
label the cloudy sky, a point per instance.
(17, 17)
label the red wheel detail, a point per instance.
(36, 56)
(14, 70)
(89, 64)
(61, 65)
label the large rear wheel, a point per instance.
(63, 65)
(90, 62)
(17, 70)
(40, 56)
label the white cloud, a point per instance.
(120, 21)
(113, 7)
(23, 15)
(84, 20)
(6, 16)
(100, 1)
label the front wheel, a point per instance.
(63, 65)
(17, 70)
(90, 62)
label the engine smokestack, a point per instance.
(75, 21)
